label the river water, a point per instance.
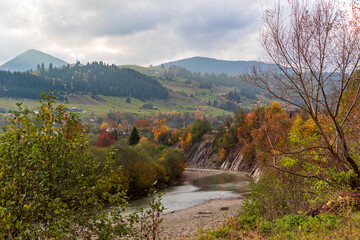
(188, 194)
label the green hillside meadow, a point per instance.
(185, 98)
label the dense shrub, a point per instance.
(276, 209)
(199, 127)
(142, 167)
(275, 197)
(146, 165)
(50, 186)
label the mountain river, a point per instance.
(220, 184)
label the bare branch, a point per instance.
(302, 175)
(315, 46)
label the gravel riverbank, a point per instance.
(185, 223)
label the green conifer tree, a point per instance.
(134, 137)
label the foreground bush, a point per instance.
(278, 209)
(293, 226)
(50, 186)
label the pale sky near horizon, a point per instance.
(124, 31)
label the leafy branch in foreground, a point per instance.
(50, 186)
(149, 220)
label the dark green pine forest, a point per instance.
(95, 78)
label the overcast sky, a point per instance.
(121, 31)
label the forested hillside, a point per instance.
(211, 65)
(95, 78)
(206, 81)
(25, 85)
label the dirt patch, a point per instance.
(79, 99)
(97, 98)
(175, 98)
(186, 223)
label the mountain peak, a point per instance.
(31, 51)
(212, 65)
(29, 61)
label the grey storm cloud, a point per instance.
(118, 20)
(118, 31)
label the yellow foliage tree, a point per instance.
(143, 140)
(160, 132)
(186, 140)
(104, 125)
(222, 153)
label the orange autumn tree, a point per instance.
(186, 140)
(143, 123)
(105, 139)
(175, 136)
(194, 132)
(271, 136)
(161, 132)
(258, 133)
(198, 114)
(250, 123)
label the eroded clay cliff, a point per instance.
(202, 155)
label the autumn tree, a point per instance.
(175, 136)
(226, 134)
(161, 132)
(104, 126)
(193, 133)
(198, 114)
(268, 131)
(143, 123)
(105, 139)
(315, 47)
(186, 116)
(199, 127)
(186, 140)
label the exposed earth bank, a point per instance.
(185, 223)
(202, 155)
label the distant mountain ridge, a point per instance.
(29, 61)
(212, 65)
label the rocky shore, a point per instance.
(185, 223)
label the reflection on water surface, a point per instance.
(185, 195)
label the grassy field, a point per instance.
(182, 98)
(10, 103)
(119, 104)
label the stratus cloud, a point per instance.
(151, 31)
